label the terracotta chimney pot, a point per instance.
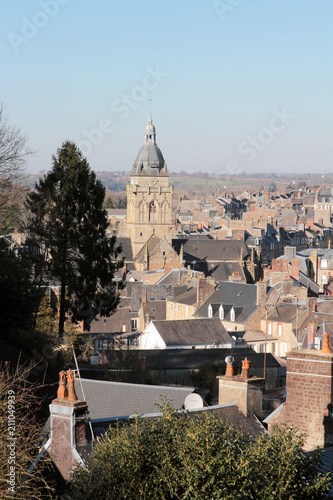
(325, 349)
(71, 391)
(245, 368)
(230, 369)
(62, 392)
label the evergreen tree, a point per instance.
(19, 294)
(69, 223)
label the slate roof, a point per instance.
(240, 295)
(172, 277)
(126, 247)
(287, 313)
(187, 298)
(111, 324)
(155, 309)
(192, 332)
(153, 292)
(175, 359)
(151, 244)
(116, 399)
(215, 250)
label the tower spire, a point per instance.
(150, 132)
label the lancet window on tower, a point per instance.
(152, 211)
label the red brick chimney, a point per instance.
(294, 273)
(311, 334)
(309, 385)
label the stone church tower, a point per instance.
(149, 194)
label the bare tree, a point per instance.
(13, 154)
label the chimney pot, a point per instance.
(71, 390)
(245, 368)
(325, 349)
(62, 392)
(230, 369)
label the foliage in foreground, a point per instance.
(20, 434)
(197, 457)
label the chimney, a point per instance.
(261, 292)
(245, 368)
(309, 385)
(229, 372)
(242, 390)
(68, 431)
(204, 290)
(295, 269)
(311, 335)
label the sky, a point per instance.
(235, 85)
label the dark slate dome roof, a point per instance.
(149, 160)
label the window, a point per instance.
(210, 311)
(280, 329)
(101, 344)
(186, 312)
(221, 312)
(283, 349)
(134, 324)
(232, 314)
(324, 264)
(324, 279)
(171, 307)
(269, 328)
(178, 307)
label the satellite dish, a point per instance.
(193, 402)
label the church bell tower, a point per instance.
(149, 194)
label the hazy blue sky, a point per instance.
(235, 84)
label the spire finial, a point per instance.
(150, 118)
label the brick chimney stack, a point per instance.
(309, 396)
(311, 334)
(68, 431)
(242, 390)
(204, 290)
(295, 269)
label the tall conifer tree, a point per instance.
(68, 221)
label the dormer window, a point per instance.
(210, 311)
(232, 314)
(221, 312)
